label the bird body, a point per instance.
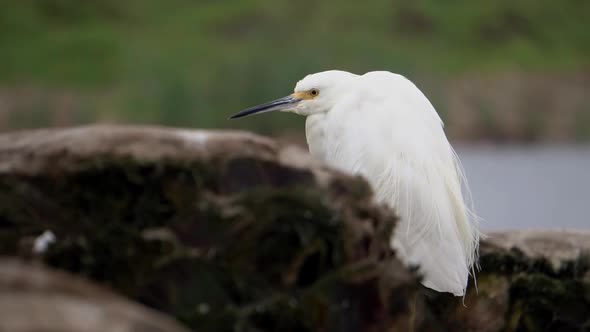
(381, 126)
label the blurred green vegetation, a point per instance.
(192, 63)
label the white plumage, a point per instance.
(381, 126)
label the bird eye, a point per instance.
(314, 92)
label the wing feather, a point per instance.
(389, 132)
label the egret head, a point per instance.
(316, 93)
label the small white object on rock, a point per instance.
(43, 241)
(203, 308)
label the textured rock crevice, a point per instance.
(220, 230)
(229, 231)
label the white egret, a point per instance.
(381, 126)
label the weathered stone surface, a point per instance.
(34, 299)
(229, 231)
(225, 231)
(44, 151)
(530, 280)
(557, 246)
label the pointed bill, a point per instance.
(280, 104)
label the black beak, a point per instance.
(275, 105)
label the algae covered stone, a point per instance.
(229, 231)
(224, 231)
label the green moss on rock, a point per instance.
(225, 233)
(238, 244)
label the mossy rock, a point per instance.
(228, 231)
(531, 280)
(224, 231)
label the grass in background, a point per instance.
(192, 63)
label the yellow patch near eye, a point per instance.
(310, 94)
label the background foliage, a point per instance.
(192, 63)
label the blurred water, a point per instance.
(529, 186)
